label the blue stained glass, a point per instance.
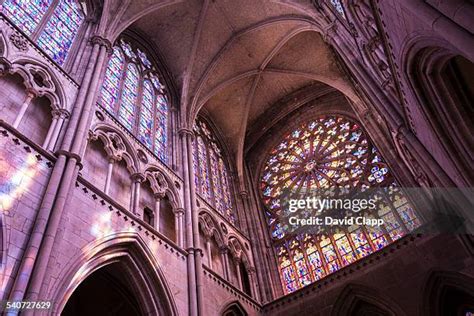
(26, 14)
(146, 116)
(58, 35)
(111, 85)
(126, 113)
(161, 126)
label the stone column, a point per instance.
(110, 168)
(209, 252)
(239, 276)
(179, 229)
(253, 283)
(48, 219)
(180, 212)
(137, 179)
(29, 97)
(158, 197)
(63, 115)
(186, 136)
(52, 127)
(225, 262)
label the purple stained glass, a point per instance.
(26, 14)
(145, 128)
(111, 85)
(59, 33)
(161, 126)
(126, 114)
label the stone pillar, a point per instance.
(110, 168)
(179, 229)
(180, 213)
(63, 115)
(137, 179)
(225, 262)
(209, 252)
(29, 97)
(186, 137)
(239, 276)
(52, 127)
(253, 283)
(158, 196)
(47, 222)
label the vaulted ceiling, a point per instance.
(236, 60)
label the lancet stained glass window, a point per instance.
(330, 152)
(132, 91)
(64, 19)
(210, 171)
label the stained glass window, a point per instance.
(26, 14)
(60, 30)
(111, 85)
(59, 33)
(145, 130)
(330, 152)
(132, 91)
(210, 172)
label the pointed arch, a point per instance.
(437, 286)
(233, 308)
(131, 251)
(161, 182)
(353, 295)
(116, 143)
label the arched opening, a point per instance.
(104, 292)
(95, 164)
(147, 203)
(148, 216)
(234, 309)
(121, 183)
(245, 280)
(37, 120)
(449, 294)
(167, 219)
(443, 84)
(357, 300)
(12, 95)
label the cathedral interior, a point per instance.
(147, 148)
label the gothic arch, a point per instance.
(443, 106)
(233, 308)
(435, 288)
(354, 294)
(162, 184)
(130, 250)
(208, 225)
(116, 144)
(40, 79)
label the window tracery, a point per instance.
(330, 152)
(133, 92)
(210, 172)
(62, 21)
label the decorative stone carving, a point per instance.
(19, 42)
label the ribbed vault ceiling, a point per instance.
(236, 59)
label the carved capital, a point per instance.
(179, 211)
(138, 177)
(101, 41)
(159, 195)
(60, 113)
(182, 132)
